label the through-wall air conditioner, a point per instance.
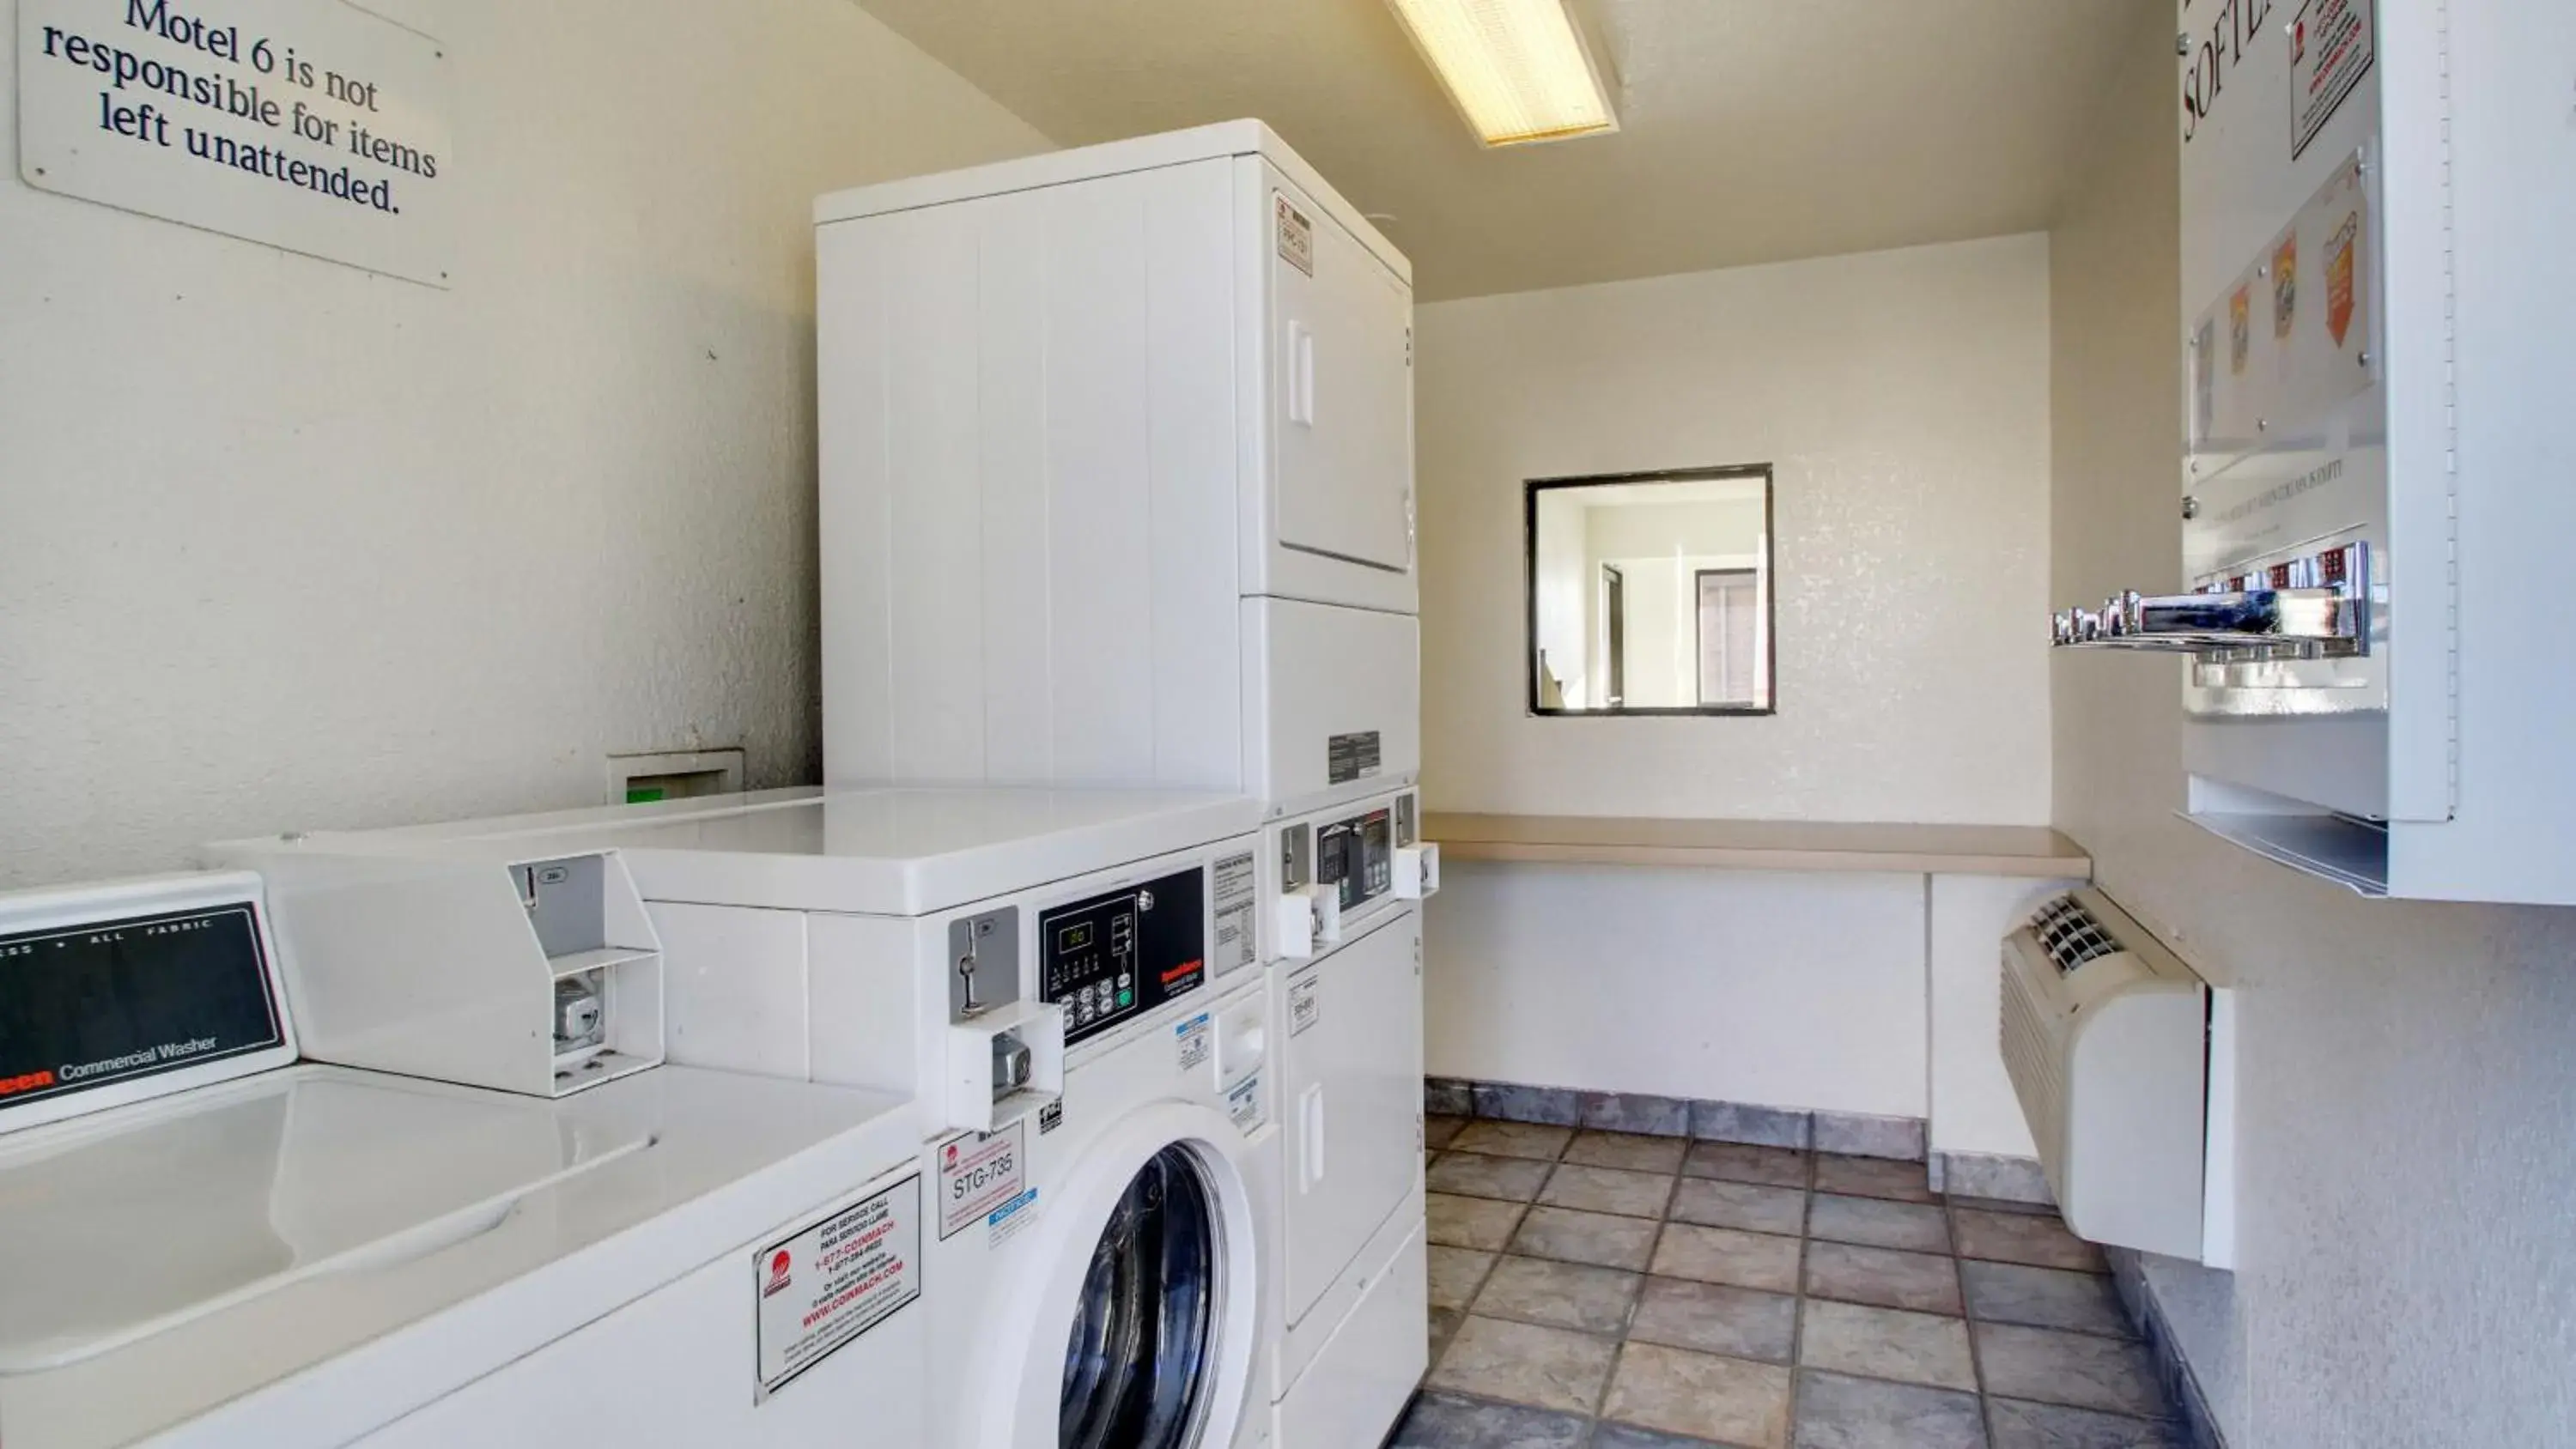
(2124, 1060)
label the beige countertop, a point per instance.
(2025, 850)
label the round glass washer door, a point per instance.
(1138, 1369)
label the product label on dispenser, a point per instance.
(2330, 51)
(822, 1288)
(1243, 1102)
(1235, 883)
(979, 1173)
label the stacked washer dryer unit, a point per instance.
(1066, 983)
(1117, 490)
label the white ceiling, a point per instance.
(1752, 130)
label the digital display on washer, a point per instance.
(109, 1001)
(1357, 855)
(1113, 957)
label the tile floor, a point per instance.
(1594, 1290)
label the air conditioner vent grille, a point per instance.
(2070, 935)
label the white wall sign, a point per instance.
(305, 124)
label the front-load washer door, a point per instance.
(1137, 1368)
(1129, 1309)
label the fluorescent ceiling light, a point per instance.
(1518, 69)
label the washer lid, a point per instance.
(301, 1257)
(888, 852)
(114, 1236)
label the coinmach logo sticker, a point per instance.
(779, 1277)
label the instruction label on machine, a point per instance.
(1243, 1102)
(1235, 885)
(1296, 234)
(1351, 757)
(836, 1280)
(1193, 1038)
(980, 1173)
(1305, 1005)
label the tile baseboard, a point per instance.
(1855, 1134)
(2182, 1386)
(1991, 1176)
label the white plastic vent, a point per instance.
(2122, 1057)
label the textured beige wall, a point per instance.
(286, 544)
(1902, 398)
(2408, 1072)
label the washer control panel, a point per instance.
(1110, 958)
(1356, 856)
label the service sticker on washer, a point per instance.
(1243, 1102)
(1296, 234)
(834, 1281)
(1305, 1006)
(1193, 1036)
(979, 1173)
(1007, 1220)
(1235, 886)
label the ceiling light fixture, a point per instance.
(1520, 70)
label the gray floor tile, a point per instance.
(1445, 1421)
(1714, 1318)
(1681, 1392)
(1472, 1222)
(1472, 1174)
(1629, 1436)
(2001, 1205)
(2082, 1369)
(1835, 1412)
(1560, 1295)
(1437, 1130)
(1630, 1150)
(2054, 1426)
(1876, 1223)
(1444, 1322)
(1548, 1368)
(1456, 1274)
(2042, 1242)
(1887, 1343)
(1726, 1255)
(2043, 1297)
(1603, 1239)
(1512, 1139)
(1747, 1205)
(1607, 1190)
(1736, 1162)
(1886, 1277)
(1872, 1177)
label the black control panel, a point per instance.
(1114, 957)
(1357, 856)
(110, 1001)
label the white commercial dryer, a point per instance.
(1117, 476)
(1071, 983)
(1343, 887)
(203, 1242)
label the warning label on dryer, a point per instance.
(834, 1281)
(1235, 884)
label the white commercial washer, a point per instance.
(203, 1242)
(1071, 983)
